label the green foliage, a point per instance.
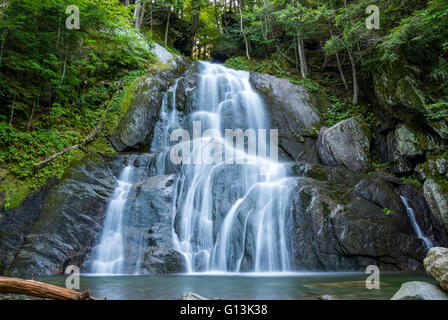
(411, 180)
(337, 112)
(437, 111)
(387, 211)
(238, 63)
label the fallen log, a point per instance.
(87, 140)
(40, 290)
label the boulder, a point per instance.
(346, 143)
(291, 113)
(149, 222)
(417, 290)
(436, 265)
(335, 226)
(186, 91)
(436, 194)
(136, 127)
(408, 142)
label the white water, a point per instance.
(109, 254)
(229, 217)
(415, 225)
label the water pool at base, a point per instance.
(300, 286)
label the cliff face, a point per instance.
(342, 218)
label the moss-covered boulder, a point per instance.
(136, 127)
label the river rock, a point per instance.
(290, 112)
(417, 290)
(136, 127)
(436, 264)
(346, 143)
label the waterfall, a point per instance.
(415, 225)
(228, 217)
(109, 254)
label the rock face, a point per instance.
(339, 223)
(136, 127)
(187, 89)
(406, 143)
(16, 224)
(436, 195)
(149, 222)
(290, 113)
(417, 290)
(436, 265)
(69, 220)
(66, 220)
(346, 143)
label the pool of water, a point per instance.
(239, 286)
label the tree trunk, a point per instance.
(167, 27)
(302, 57)
(244, 34)
(296, 54)
(339, 62)
(139, 21)
(217, 18)
(12, 111)
(2, 47)
(355, 78)
(194, 21)
(138, 7)
(40, 290)
(32, 113)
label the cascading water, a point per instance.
(228, 216)
(415, 225)
(109, 254)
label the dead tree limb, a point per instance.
(40, 290)
(87, 140)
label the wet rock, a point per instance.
(70, 219)
(417, 290)
(290, 113)
(436, 194)
(408, 142)
(425, 217)
(436, 265)
(16, 223)
(148, 228)
(136, 127)
(339, 223)
(187, 89)
(346, 143)
(173, 61)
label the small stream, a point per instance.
(284, 286)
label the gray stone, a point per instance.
(436, 194)
(346, 143)
(136, 127)
(436, 265)
(290, 113)
(417, 290)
